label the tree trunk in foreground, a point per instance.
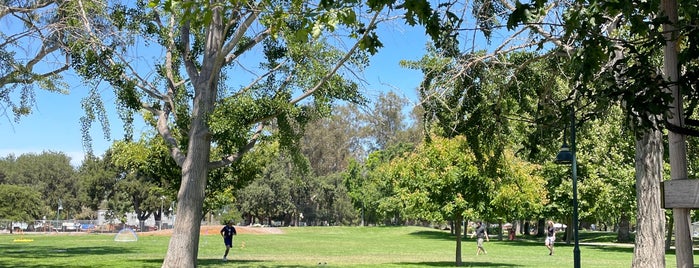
(184, 243)
(649, 250)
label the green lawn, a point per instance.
(307, 247)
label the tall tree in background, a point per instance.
(328, 143)
(21, 204)
(49, 174)
(385, 120)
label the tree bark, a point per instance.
(500, 232)
(457, 230)
(526, 228)
(677, 142)
(649, 250)
(623, 235)
(184, 243)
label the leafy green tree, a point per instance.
(49, 174)
(440, 181)
(328, 143)
(268, 197)
(97, 178)
(385, 120)
(147, 175)
(20, 203)
(519, 190)
(334, 205)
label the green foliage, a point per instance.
(617, 53)
(519, 189)
(97, 178)
(439, 181)
(20, 203)
(50, 174)
(31, 49)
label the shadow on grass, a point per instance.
(35, 252)
(434, 234)
(217, 262)
(241, 263)
(29, 265)
(451, 264)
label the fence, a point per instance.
(47, 226)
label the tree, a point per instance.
(33, 52)
(20, 203)
(385, 120)
(49, 174)
(329, 142)
(440, 181)
(195, 107)
(146, 175)
(97, 178)
(619, 45)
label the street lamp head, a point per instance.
(565, 156)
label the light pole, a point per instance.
(162, 198)
(58, 214)
(567, 156)
(60, 206)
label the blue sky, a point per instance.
(55, 123)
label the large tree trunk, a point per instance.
(649, 250)
(184, 243)
(526, 228)
(677, 142)
(457, 230)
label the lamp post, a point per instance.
(567, 156)
(162, 198)
(60, 206)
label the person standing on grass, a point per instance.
(227, 233)
(481, 233)
(550, 237)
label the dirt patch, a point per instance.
(216, 229)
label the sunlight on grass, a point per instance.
(309, 247)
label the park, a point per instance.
(313, 247)
(364, 133)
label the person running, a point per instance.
(481, 233)
(550, 237)
(227, 233)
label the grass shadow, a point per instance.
(451, 264)
(217, 262)
(58, 252)
(434, 234)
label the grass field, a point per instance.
(311, 247)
